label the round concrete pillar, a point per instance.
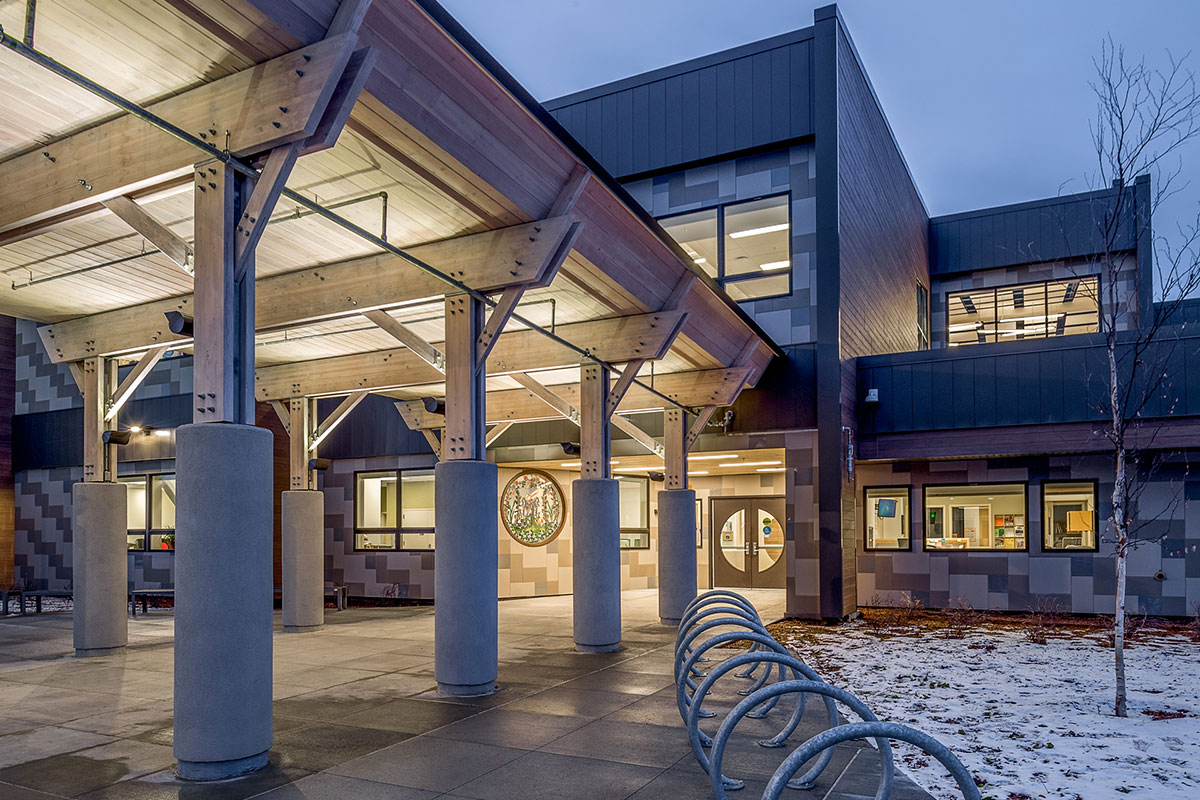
(99, 568)
(303, 532)
(223, 600)
(465, 565)
(676, 553)
(596, 564)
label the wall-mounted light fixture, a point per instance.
(570, 448)
(179, 324)
(320, 463)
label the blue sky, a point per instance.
(989, 100)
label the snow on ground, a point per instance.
(1029, 720)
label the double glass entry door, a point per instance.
(748, 542)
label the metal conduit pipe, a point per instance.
(236, 164)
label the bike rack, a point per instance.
(721, 608)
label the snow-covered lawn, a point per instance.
(1028, 720)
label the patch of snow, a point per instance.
(1028, 720)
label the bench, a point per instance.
(4, 595)
(145, 595)
(37, 596)
(340, 595)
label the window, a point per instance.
(975, 517)
(393, 510)
(886, 514)
(922, 317)
(745, 246)
(1025, 311)
(634, 512)
(149, 512)
(1069, 516)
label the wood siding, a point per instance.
(8, 361)
(729, 102)
(884, 244)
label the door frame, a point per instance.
(713, 531)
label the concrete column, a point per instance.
(676, 553)
(223, 600)
(596, 564)
(100, 568)
(465, 564)
(303, 532)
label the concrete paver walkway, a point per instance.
(356, 716)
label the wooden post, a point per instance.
(595, 425)
(224, 306)
(465, 434)
(300, 424)
(92, 389)
(675, 430)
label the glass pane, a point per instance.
(135, 502)
(376, 493)
(766, 286)
(757, 236)
(1073, 306)
(416, 497)
(1021, 312)
(971, 318)
(733, 540)
(697, 235)
(635, 540)
(135, 541)
(1069, 516)
(975, 517)
(162, 503)
(770, 540)
(415, 541)
(635, 503)
(887, 519)
(162, 540)
(374, 541)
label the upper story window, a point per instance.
(634, 493)
(393, 510)
(922, 317)
(1023, 311)
(745, 246)
(150, 512)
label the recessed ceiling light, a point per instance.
(706, 458)
(771, 469)
(783, 226)
(697, 472)
(774, 265)
(571, 464)
(751, 464)
(700, 260)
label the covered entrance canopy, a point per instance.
(328, 198)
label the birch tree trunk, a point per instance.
(1121, 524)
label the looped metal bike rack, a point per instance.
(724, 609)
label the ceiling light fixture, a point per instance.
(752, 464)
(775, 265)
(709, 458)
(771, 469)
(782, 226)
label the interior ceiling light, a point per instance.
(782, 226)
(752, 464)
(571, 464)
(774, 265)
(698, 472)
(700, 260)
(968, 326)
(709, 458)
(771, 469)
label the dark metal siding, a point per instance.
(1000, 385)
(738, 100)
(1044, 230)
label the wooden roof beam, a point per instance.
(243, 113)
(152, 230)
(692, 389)
(614, 340)
(488, 262)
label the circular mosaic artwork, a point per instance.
(532, 508)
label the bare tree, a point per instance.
(1145, 117)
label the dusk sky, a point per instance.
(990, 101)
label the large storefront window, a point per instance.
(975, 517)
(1069, 516)
(393, 510)
(745, 246)
(887, 518)
(1026, 311)
(150, 512)
(634, 512)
